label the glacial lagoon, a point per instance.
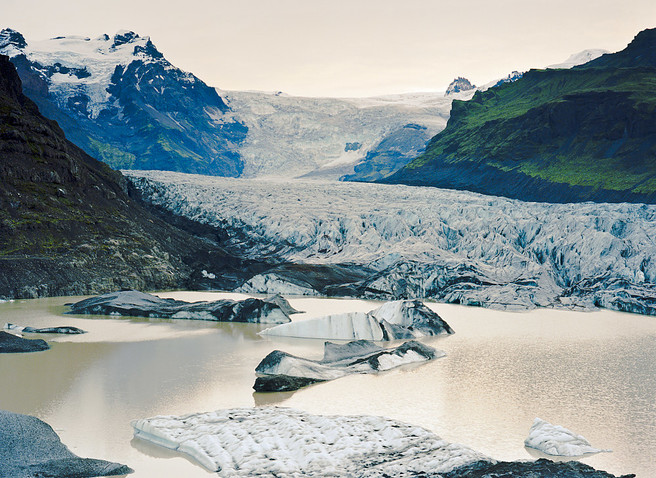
(592, 372)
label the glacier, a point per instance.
(402, 319)
(280, 371)
(557, 441)
(291, 136)
(405, 242)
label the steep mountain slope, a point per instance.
(291, 136)
(67, 225)
(120, 100)
(588, 133)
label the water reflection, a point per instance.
(592, 373)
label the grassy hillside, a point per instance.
(588, 133)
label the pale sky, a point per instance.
(346, 47)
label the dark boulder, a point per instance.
(12, 344)
(31, 448)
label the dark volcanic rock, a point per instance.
(31, 448)
(65, 329)
(12, 344)
(133, 303)
(280, 371)
(282, 383)
(541, 468)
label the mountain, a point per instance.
(292, 136)
(67, 223)
(459, 85)
(120, 100)
(586, 133)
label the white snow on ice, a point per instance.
(291, 443)
(557, 441)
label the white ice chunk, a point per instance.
(285, 442)
(558, 441)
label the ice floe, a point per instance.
(280, 371)
(557, 441)
(289, 443)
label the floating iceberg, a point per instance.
(65, 329)
(10, 343)
(558, 441)
(31, 448)
(282, 372)
(274, 310)
(290, 443)
(401, 319)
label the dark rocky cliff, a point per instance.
(67, 224)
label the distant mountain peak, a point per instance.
(459, 85)
(124, 36)
(9, 36)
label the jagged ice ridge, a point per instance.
(454, 246)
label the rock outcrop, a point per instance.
(31, 448)
(10, 343)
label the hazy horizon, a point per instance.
(347, 48)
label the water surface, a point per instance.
(594, 373)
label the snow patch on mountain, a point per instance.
(580, 58)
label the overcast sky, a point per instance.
(346, 47)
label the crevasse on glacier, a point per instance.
(454, 246)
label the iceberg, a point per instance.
(401, 319)
(285, 442)
(274, 310)
(64, 329)
(10, 343)
(282, 372)
(31, 448)
(557, 441)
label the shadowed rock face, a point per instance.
(133, 303)
(67, 224)
(12, 344)
(31, 448)
(281, 372)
